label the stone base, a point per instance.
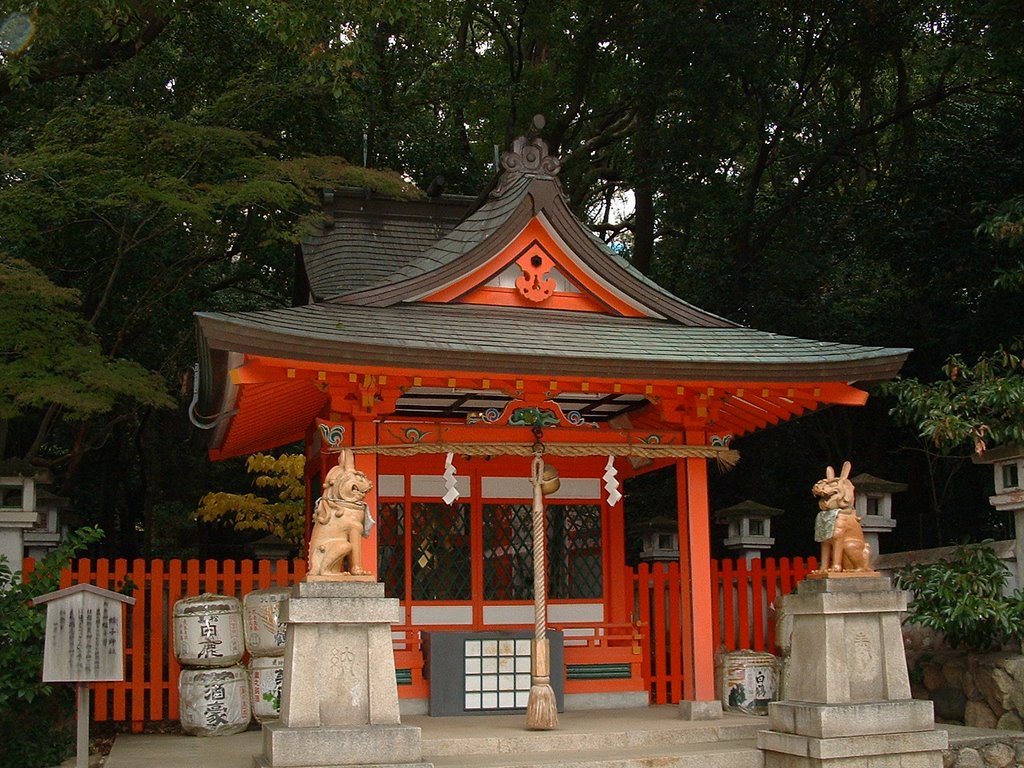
(847, 642)
(342, 577)
(339, 664)
(829, 721)
(842, 574)
(341, 747)
(922, 749)
(700, 710)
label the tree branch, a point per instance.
(96, 59)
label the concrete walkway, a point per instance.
(583, 738)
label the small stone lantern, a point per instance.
(272, 547)
(1008, 466)
(49, 530)
(659, 540)
(873, 502)
(749, 527)
(19, 512)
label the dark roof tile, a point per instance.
(547, 342)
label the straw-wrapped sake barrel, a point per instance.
(214, 702)
(264, 632)
(208, 631)
(266, 674)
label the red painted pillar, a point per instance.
(364, 432)
(614, 561)
(689, 629)
(695, 569)
(698, 546)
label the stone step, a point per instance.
(651, 737)
(735, 754)
(654, 728)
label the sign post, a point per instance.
(84, 643)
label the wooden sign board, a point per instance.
(84, 634)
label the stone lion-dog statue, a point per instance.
(837, 527)
(341, 518)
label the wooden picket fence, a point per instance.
(743, 614)
(742, 618)
(149, 692)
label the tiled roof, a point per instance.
(378, 269)
(539, 341)
(493, 225)
(367, 240)
(470, 232)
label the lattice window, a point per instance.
(574, 551)
(508, 552)
(391, 547)
(573, 547)
(441, 562)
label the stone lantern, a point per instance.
(749, 527)
(19, 511)
(49, 530)
(1008, 467)
(272, 547)
(659, 540)
(873, 502)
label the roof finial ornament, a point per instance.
(529, 156)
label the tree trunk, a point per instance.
(643, 191)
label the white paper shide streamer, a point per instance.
(611, 482)
(451, 484)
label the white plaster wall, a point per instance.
(442, 614)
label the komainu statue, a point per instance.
(837, 526)
(341, 518)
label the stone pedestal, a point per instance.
(339, 699)
(848, 702)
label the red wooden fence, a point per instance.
(149, 692)
(741, 618)
(742, 614)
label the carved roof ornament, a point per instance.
(529, 156)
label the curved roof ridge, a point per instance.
(527, 188)
(468, 233)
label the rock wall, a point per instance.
(979, 690)
(968, 750)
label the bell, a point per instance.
(549, 480)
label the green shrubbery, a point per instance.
(962, 597)
(39, 718)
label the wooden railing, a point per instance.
(748, 594)
(651, 647)
(742, 614)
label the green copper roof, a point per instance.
(538, 341)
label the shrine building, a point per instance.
(446, 339)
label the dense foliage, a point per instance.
(817, 169)
(278, 510)
(980, 404)
(44, 712)
(963, 598)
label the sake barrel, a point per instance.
(266, 674)
(208, 631)
(748, 681)
(264, 632)
(214, 702)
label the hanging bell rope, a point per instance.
(541, 707)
